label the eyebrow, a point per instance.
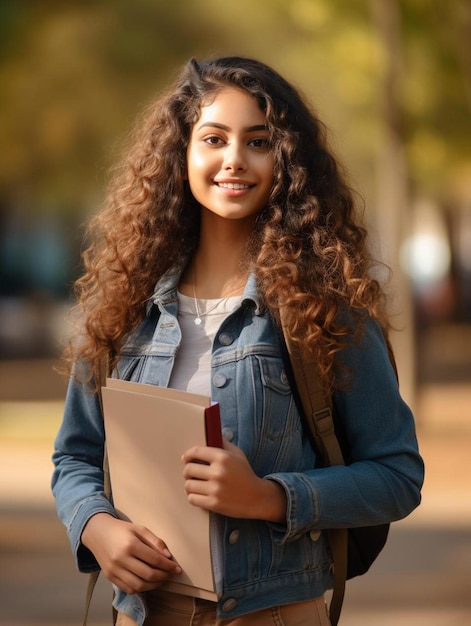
(249, 129)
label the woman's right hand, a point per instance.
(130, 556)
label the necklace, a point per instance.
(200, 314)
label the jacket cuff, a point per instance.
(84, 559)
(302, 509)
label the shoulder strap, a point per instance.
(93, 577)
(317, 414)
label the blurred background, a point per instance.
(392, 81)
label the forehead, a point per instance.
(231, 106)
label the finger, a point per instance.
(197, 471)
(205, 454)
(203, 501)
(150, 573)
(137, 575)
(233, 450)
(155, 559)
(128, 580)
(148, 548)
(131, 582)
(201, 487)
(227, 445)
(151, 540)
(122, 584)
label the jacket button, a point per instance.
(284, 378)
(228, 434)
(229, 605)
(315, 534)
(234, 537)
(225, 339)
(219, 380)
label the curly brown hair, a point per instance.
(308, 249)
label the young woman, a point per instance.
(228, 208)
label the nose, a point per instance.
(234, 158)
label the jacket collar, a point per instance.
(166, 291)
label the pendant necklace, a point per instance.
(199, 314)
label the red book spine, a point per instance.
(213, 426)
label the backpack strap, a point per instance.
(316, 411)
(93, 577)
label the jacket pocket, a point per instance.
(275, 406)
(277, 427)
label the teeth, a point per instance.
(233, 186)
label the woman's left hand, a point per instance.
(223, 481)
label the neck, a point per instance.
(217, 275)
(215, 270)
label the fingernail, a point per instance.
(167, 553)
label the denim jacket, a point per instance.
(265, 564)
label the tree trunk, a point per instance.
(393, 202)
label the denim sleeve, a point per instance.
(77, 481)
(384, 479)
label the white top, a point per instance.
(192, 369)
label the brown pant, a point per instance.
(169, 609)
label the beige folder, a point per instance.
(148, 428)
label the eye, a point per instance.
(213, 140)
(261, 143)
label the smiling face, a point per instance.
(229, 163)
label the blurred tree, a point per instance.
(74, 73)
(436, 92)
(393, 194)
